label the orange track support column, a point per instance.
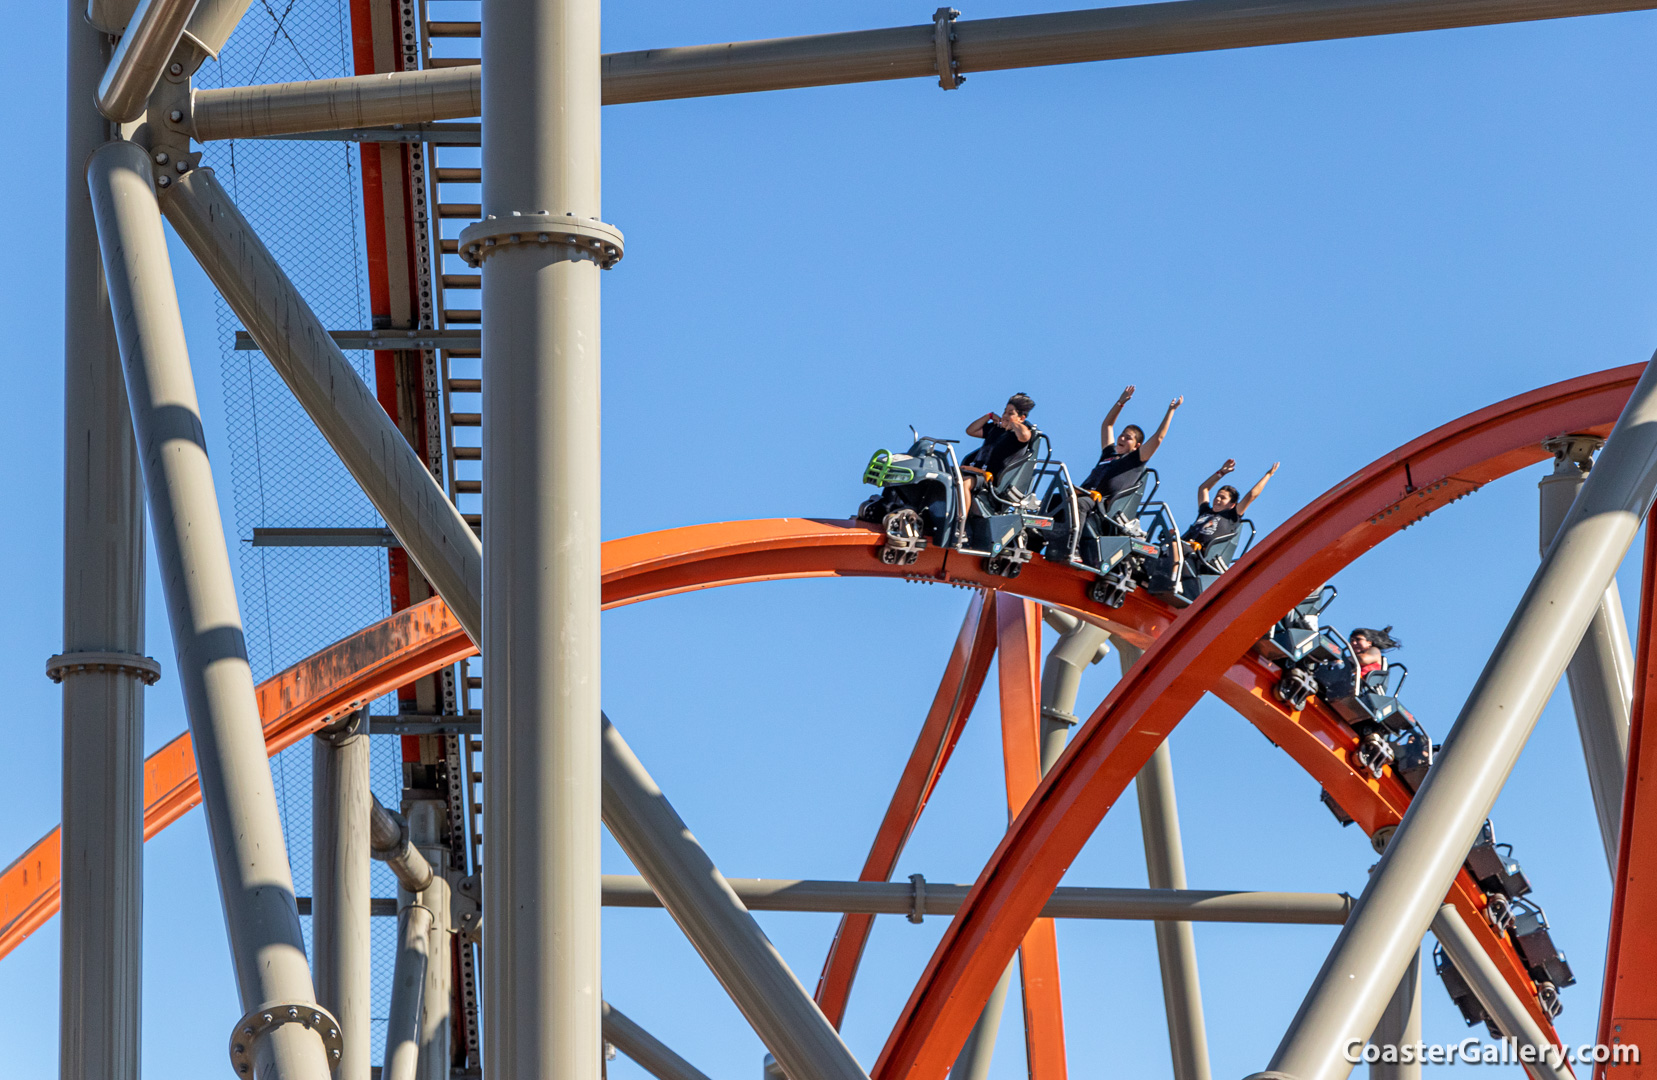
(957, 694)
(1018, 626)
(1628, 1015)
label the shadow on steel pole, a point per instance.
(1422, 858)
(103, 618)
(284, 1034)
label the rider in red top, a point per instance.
(1368, 647)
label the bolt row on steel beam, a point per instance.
(906, 52)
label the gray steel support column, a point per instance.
(732, 944)
(145, 48)
(340, 915)
(1601, 673)
(255, 882)
(390, 472)
(103, 612)
(1400, 1026)
(1080, 644)
(653, 1056)
(1176, 945)
(1493, 991)
(425, 826)
(408, 988)
(541, 584)
(1423, 856)
(973, 1062)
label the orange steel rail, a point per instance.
(957, 693)
(1018, 676)
(1193, 656)
(1628, 1015)
(306, 697)
(1185, 659)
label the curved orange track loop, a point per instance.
(1196, 655)
(957, 693)
(393, 652)
(1359, 513)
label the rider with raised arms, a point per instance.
(1124, 457)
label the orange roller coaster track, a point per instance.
(1205, 649)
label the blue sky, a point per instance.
(1328, 248)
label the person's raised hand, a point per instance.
(1230, 464)
(1176, 403)
(1126, 396)
(1274, 468)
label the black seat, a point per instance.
(1012, 485)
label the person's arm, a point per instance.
(1254, 492)
(1155, 441)
(1017, 427)
(1206, 488)
(1107, 430)
(976, 428)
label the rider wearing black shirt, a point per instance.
(1004, 436)
(1123, 458)
(1218, 516)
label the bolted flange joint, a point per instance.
(267, 1018)
(917, 898)
(77, 663)
(590, 238)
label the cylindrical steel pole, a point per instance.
(340, 893)
(1080, 644)
(389, 470)
(103, 613)
(1176, 945)
(1424, 855)
(736, 950)
(143, 53)
(1601, 673)
(390, 842)
(1495, 993)
(425, 826)
(408, 987)
(973, 1062)
(1400, 1026)
(255, 882)
(645, 1049)
(541, 160)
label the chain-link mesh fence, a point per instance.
(305, 200)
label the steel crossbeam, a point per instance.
(735, 949)
(906, 52)
(397, 482)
